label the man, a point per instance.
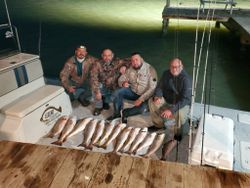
(75, 73)
(104, 76)
(171, 102)
(137, 84)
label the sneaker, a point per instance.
(167, 148)
(84, 102)
(97, 111)
(154, 128)
(113, 117)
(106, 106)
(124, 119)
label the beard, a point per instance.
(137, 68)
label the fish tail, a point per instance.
(58, 142)
(82, 145)
(104, 146)
(90, 147)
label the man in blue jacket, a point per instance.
(170, 105)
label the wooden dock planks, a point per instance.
(29, 165)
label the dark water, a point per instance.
(228, 64)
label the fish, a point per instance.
(66, 130)
(133, 133)
(98, 132)
(116, 131)
(58, 127)
(155, 145)
(139, 138)
(148, 140)
(107, 131)
(88, 133)
(122, 138)
(80, 126)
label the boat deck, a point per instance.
(29, 165)
(241, 133)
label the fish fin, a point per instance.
(58, 142)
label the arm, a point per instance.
(65, 75)
(94, 77)
(185, 95)
(152, 82)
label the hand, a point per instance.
(72, 89)
(122, 69)
(98, 95)
(125, 84)
(137, 102)
(157, 100)
(166, 114)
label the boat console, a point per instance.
(28, 107)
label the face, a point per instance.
(136, 61)
(80, 53)
(107, 56)
(175, 67)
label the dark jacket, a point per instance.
(176, 90)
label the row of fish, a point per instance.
(100, 133)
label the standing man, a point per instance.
(75, 74)
(170, 105)
(104, 78)
(138, 84)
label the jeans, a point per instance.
(106, 96)
(82, 92)
(177, 126)
(127, 93)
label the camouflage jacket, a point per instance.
(106, 73)
(142, 81)
(69, 71)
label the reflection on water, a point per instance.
(128, 27)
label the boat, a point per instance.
(29, 108)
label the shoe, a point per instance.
(106, 106)
(124, 119)
(84, 102)
(113, 117)
(154, 128)
(167, 148)
(97, 111)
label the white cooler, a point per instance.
(218, 145)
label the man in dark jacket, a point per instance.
(170, 105)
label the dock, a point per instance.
(31, 165)
(237, 21)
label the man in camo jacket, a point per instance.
(75, 74)
(104, 78)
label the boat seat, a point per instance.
(28, 103)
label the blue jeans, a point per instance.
(106, 96)
(82, 92)
(127, 93)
